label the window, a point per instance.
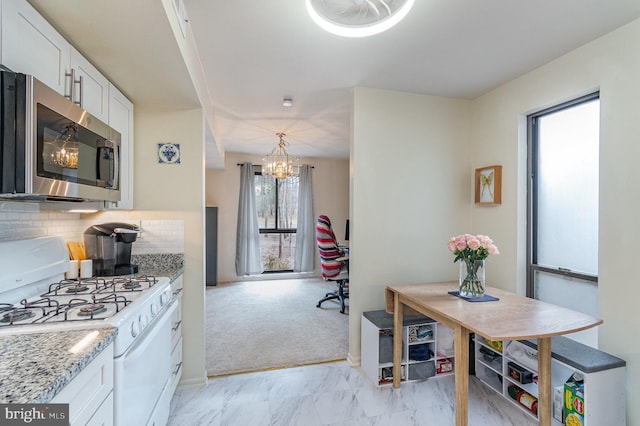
(277, 203)
(563, 206)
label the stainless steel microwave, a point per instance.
(51, 149)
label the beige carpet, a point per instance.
(256, 325)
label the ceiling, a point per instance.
(254, 53)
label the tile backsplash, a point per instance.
(25, 220)
(160, 236)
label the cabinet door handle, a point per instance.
(178, 366)
(72, 78)
(71, 96)
(80, 82)
(177, 326)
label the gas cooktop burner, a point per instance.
(76, 289)
(4, 307)
(87, 311)
(131, 285)
(17, 315)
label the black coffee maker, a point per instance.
(109, 246)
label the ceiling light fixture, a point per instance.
(278, 163)
(287, 102)
(358, 18)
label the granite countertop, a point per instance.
(160, 265)
(36, 366)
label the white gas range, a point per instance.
(35, 297)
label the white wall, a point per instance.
(330, 178)
(612, 64)
(176, 192)
(410, 193)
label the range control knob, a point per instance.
(135, 329)
(154, 310)
(164, 298)
(144, 320)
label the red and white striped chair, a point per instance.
(333, 261)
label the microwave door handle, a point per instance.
(105, 143)
(116, 166)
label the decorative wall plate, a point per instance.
(169, 153)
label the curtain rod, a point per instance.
(258, 165)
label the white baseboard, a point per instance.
(353, 361)
(274, 276)
(193, 383)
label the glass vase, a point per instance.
(471, 278)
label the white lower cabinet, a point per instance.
(176, 337)
(176, 365)
(104, 415)
(90, 393)
(427, 348)
(594, 394)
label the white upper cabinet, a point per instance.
(121, 119)
(90, 88)
(31, 45)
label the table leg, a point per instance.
(398, 317)
(461, 348)
(544, 381)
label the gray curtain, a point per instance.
(248, 259)
(306, 231)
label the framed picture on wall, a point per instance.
(488, 186)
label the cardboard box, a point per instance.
(573, 410)
(495, 344)
(444, 366)
(558, 404)
(574, 419)
(519, 374)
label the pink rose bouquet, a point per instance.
(472, 247)
(472, 250)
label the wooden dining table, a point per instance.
(512, 317)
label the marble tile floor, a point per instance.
(334, 394)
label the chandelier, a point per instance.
(278, 163)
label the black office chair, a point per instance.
(333, 261)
